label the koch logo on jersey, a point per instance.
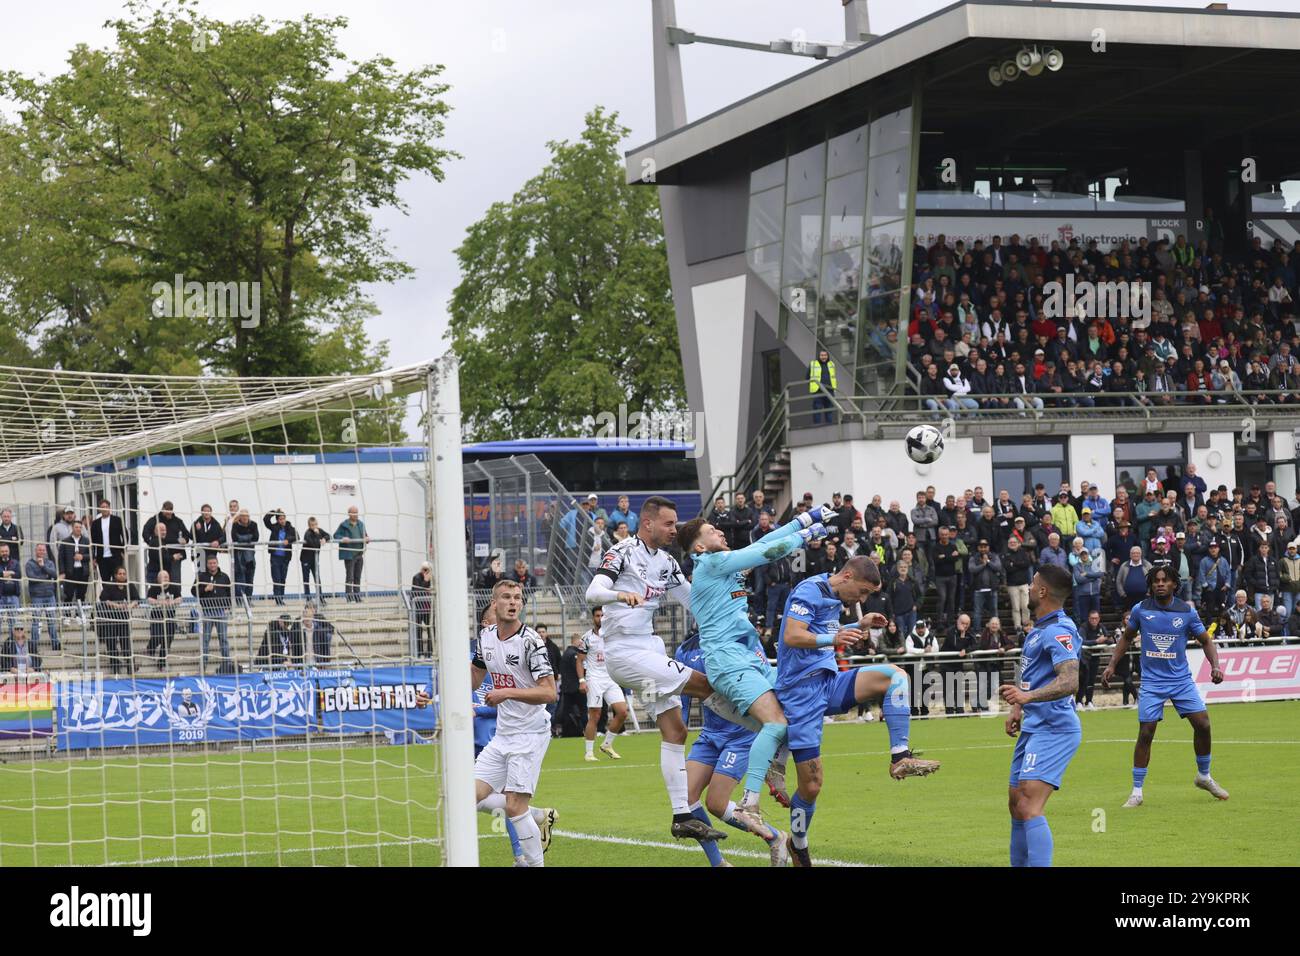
(1163, 642)
(367, 697)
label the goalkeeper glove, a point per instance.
(814, 533)
(813, 515)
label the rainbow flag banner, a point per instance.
(25, 709)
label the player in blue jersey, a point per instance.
(1042, 713)
(811, 687)
(716, 763)
(720, 604)
(1166, 624)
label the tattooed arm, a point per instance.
(1065, 684)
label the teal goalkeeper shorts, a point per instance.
(739, 673)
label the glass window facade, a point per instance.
(821, 216)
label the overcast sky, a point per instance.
(522, 72)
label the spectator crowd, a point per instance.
(84, 560)
(984, 332)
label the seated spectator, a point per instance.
(17, 656)
(1238, 622)
(282, 644)
(1272, 621)
(317, 628)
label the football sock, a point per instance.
(590, 744)
(801, 814)
(672, 764)
(1039, 837)
(1019, 845)
(609, 737)
(897, 712)
(710, 847)
(1139, 778)
(761, 752)
(1203, 765)
(530, 838)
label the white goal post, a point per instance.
(387, 444)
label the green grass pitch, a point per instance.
(377, 806)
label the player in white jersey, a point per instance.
(506, 770)
(594, 679)
(634, 577)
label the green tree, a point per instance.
(232, 152)
(564, 308)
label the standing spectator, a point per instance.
(213, 589)
(1065, 519)
(243, 536)
(1260, 574)
(1288, 571)
(904, 592)
(1238, 621)
(743, 519)
(947, 560)
(779, 579)
(42, 579)
(985, 579)
(556, 657)
(313, 540)
(208, 536)
(113, 621)
(1085, 567)
(920, 642)
(281, 540)
(990, 644)
(625, 514)
(108, 538)
(13, 534)
(422, 604)
(163, 597)
(925, 521)
(758, 577)
(60, 530)
(1091, 531)
(594, 547)
(1018, 566)
(821, 385)
(11, 587)
(232, 515)
(570, 718)
(1131, 579)
(1094, 639)
(1054, 554)
(352, 538)
(17, 657)
(166, 533)
(320, 630)
(960, 641)
(74, 564)
(761, 505)
(1214, 578)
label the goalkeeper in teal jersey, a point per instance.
(720, 605)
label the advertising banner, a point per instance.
(185, 710)
(25, 708)
(1249, 674)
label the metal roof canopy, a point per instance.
(1164, 71)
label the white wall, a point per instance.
(1282, 447)
(1092, 457)
(719, 330)
(1222, 450)
(865, 468)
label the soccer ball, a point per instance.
(924, 444)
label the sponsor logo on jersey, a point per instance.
(797, 608)
(1163, 641)
(512, 659)
(1064, 641)
(502, 680)
(652, 592)
(740, 594)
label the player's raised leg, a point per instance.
(890, 683)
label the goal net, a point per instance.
(216, 617)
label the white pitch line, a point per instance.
(680, 848)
